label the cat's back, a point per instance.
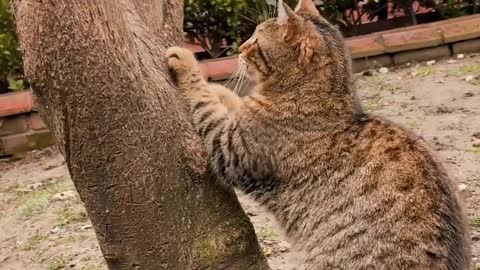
(377, 198)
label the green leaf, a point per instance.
(16, 85)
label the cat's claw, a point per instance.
(180, 60)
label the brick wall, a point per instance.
(23, 132)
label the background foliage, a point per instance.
(219, 26)
(10, 58)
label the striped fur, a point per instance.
(355, 190)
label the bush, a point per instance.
(214, 24)
(219, 26)
(10, 58)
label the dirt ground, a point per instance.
(43, 224)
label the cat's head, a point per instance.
(296, 43)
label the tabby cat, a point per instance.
(354, 190)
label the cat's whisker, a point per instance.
(232, 77)
(235, 89)
(243, 71)
(243, 82)
(240, 80)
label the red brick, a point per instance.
(35, 122)
(412, 39)
(28, 141)
(16, 103)
(220, 68)
(456, 30)
(13, 124)
(364, 46)
(193, 47)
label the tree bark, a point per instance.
(99, 77)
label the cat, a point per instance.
(354, 190)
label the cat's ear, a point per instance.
(288, 20)
(307, 6)
(292, 26)
(285, 13)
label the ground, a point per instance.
(44, 224)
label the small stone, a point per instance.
(251, 213)
(476, 143)
(469, 78)
(451, 61)
(65, 195)
(284, 246)
(35, 186)
(442, 109)
(431, 62)
(55, 230)
(383, 70)
(468, 94)
(462, 187)
(367, 73)
(268, 242)
(476, 135)
(413, 98)
(438, 81)
(460, 56)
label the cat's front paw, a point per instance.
(180, 61)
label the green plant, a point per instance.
(36, 201)
(67, 216)
(220, 26)
(57, 263)
(10, 57)
(452, 9)
(267, 233)
(213, 24)
(34, 241)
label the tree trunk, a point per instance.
(99, 77)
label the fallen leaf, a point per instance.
(86, 227)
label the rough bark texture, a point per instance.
(99, 76)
